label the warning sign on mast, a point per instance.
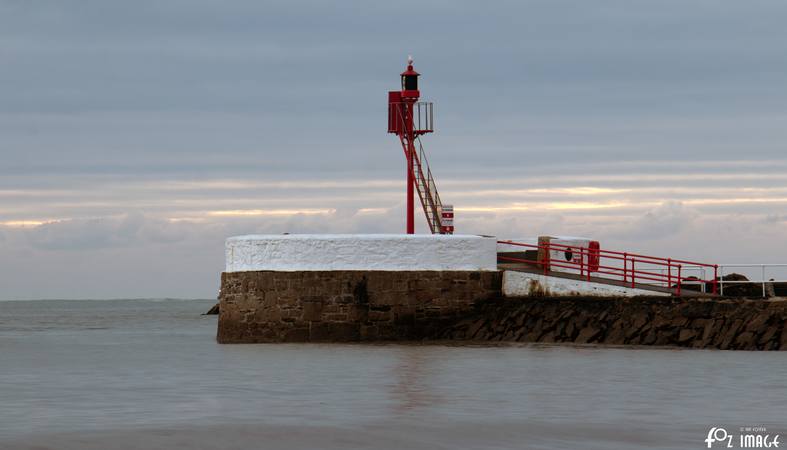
(447, 219)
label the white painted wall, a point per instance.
(294, 252)
(520, 284)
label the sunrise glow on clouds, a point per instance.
(218, 201)
(225, 199)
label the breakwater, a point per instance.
(727, 324)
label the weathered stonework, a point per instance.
(739, 324)
(342, 306)
(336, 306)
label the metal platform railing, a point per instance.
(772, 284)
(631, 268)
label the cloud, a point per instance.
(668, 219)
(775, 218)
(101, 233)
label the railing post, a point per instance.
(625, 266)
(679, 278)
(721, 281)
(763, 281)
(669, 273)
(633, 274)
(587, 265)
(546, 259)
(715, 279)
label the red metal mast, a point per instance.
(409, 119)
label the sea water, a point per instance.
(128, 374)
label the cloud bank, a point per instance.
(137, 136)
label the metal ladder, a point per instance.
(426, 187)
(427, 190)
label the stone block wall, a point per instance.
(340, 306)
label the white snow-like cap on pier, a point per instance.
(313, 252)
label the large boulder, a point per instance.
(740, 289)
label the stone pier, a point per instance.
(318, 288)
(344, 288)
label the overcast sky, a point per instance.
(135, 136)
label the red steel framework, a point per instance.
(622, 266)
(409, 119)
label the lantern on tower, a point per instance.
(410, 81)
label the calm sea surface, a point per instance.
(148, 374)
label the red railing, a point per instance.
(627, 267)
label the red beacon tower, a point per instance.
(409, 119)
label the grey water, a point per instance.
(148, 374)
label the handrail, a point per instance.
(422, 114)
(628, 273)
(431, 187)
(762, 280)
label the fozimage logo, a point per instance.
(749, 437)
(718, 435)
